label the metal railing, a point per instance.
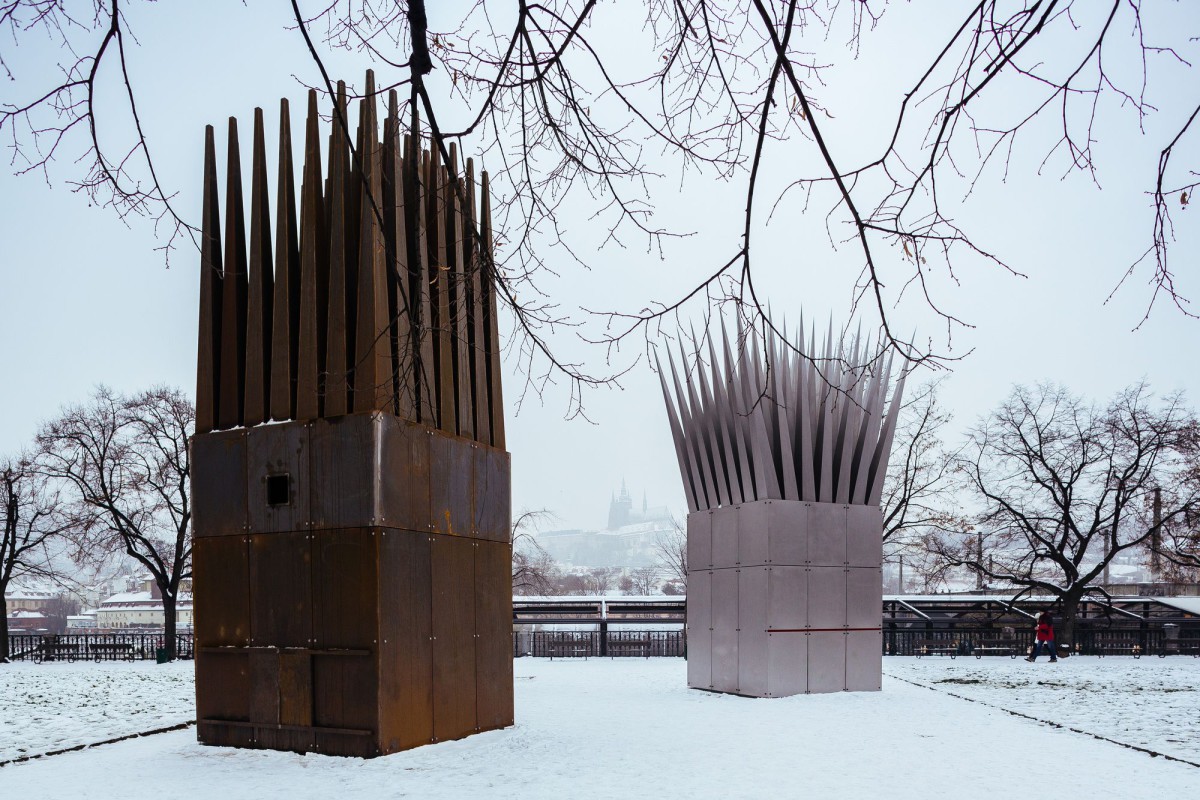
(615, 644)
(130, 646)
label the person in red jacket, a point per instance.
(1044, 638)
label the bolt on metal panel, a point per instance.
(827, 597)
(273, 451)
(826, 662)
(787, 531)
(724, 537)
(864, 661)
(218, 468)
(827, 534)
(699, 540)
(753, 525)
(864, 536)
(724, 630)
(345, 471)
(787, 602)
(752, 630)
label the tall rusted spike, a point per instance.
(286, 303)
(464, 415)
(312, 219)
(491, 330)
(478, 355)
(443, 325)
(399, 292)
(336, 386)
(373, 358)
(423, 369)
(260, 293)
(208, 353)
(233, 312)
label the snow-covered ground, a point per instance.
(621, 728)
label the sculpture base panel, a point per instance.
(784, 598)
(352, 584)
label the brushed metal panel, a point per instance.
(753, 531)
(345, 471)
(454, 681)
(788, 532)
(699, 540)
(787, 601)
(493, 495)
(218, 469)
(826, 662)
(451, 486)
(864, 597)
(864, 536)
(826, 597)
(279, 449)
(699, 627)
(864, 661)
(281, 608)
(753, 584)
(827, 534)
(724, 630)
(724, 537)
(404, 482)
(787, 664)
(221, 587)
(406, 648)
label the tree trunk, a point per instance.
(168, 601)
(3, 628)
(1066, 628)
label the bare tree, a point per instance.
(1176, 552)
(644, 580)
(533, 569)
(1064, 487)
(30, 527)
(670, 549)
(124, 465)
(569, 114)
(603, 579)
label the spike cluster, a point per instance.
(792, 426)
(377, 295)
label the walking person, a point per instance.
(1044, 638)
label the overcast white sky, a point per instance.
(85, 299)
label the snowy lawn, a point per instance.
(630, 728)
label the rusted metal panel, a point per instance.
(493, 635)
(264, 686)
(451, 485)
(345, 616)
(454, 687)
(405, 646)
(218, 466)
(295, 689)
(493, 494)
(222, 685)
(404, 480)
(278, 452)
(345, 470)
(281, 605)
(220, 569)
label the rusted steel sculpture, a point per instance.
(783, 457)
(352, 553)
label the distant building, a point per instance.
(629, 540)
(142, 609)
(22, 621)
(85, 620)
(26, 600)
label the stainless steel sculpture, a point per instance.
(352, 559)
(783, 453)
